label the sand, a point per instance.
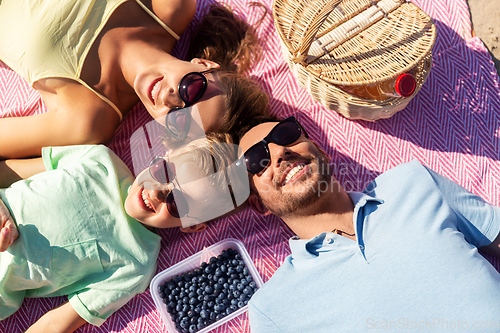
(486, 25)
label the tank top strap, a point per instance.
(160, 22)
(104, 98)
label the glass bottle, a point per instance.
(402, 86)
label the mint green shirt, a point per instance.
(75, 237)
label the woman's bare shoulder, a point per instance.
(177, 14)
(92, 119)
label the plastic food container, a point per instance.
(193, 262)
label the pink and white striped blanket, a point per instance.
(452, 126)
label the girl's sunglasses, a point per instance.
(163, 172)
(286, 132)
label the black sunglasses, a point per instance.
(163, 172)
(286, 132)
(191, 88)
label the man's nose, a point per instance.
(279, 154)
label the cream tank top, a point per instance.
(51, 38)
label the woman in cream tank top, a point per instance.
(94, 60)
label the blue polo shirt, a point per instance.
(414, 265)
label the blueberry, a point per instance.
(193, 328)
(209, 289)
(184, 324)
(204, 314)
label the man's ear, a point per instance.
(209, 64)
(194, 228)
(257, 205)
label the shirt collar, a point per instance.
(306, 248)
(360, 199)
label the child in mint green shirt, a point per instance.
(86, 229)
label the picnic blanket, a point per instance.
(452, 126)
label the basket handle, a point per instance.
(312, 31)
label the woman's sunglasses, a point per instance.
(286, 132)
(163, 172)
(191, 88)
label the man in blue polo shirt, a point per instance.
(402, 255)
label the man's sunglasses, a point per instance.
(191, 88)
(286, 132)
(163, 172)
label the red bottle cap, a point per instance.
(405, 85)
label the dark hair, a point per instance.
(226, 39)
(245, 100)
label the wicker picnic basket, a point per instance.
(332, 43)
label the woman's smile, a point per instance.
(154, 90)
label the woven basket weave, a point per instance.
(331, 43)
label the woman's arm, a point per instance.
(76, 116)
(61, 319)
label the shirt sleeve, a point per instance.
(478, 220)
(101, 299)
(108, 302)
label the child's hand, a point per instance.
(8, 230)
